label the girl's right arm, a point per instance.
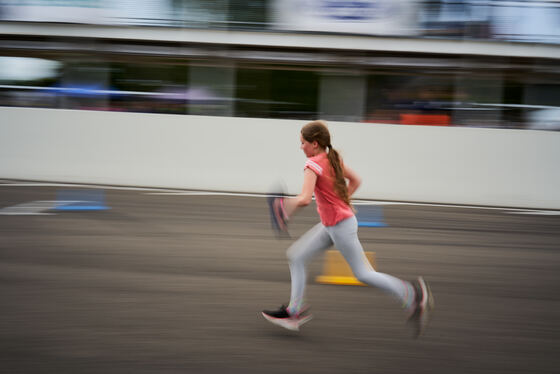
(304, 198)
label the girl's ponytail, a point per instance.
(340, 186)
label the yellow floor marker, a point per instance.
(337, 271)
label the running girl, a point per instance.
(333, 184)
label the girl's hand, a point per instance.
(278, 216)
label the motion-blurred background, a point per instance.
(179, 115)
(483, 63)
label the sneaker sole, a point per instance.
(291, 324)
(426, 304)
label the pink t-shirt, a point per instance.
(332, 209)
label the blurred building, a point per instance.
(449, 62)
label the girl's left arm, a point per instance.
(354, 180)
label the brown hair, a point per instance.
(318, 131)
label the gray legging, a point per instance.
(344, 236)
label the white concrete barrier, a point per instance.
(513, 168)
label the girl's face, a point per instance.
(310, 149)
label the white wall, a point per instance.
(515, 168)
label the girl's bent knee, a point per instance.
(366, 276)
(293, 255)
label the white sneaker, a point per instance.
(283, 318)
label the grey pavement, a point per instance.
(175, 284)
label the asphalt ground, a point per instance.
(176, 283)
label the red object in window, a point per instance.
(425, 119)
